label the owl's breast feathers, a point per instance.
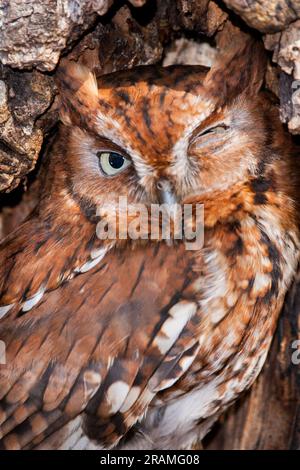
(141, 326)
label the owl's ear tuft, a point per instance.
(78, 91)
(238, 70)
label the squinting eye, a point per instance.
(112, 163)
(215, 130)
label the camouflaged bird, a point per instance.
(142, 345)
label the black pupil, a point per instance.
(116, 161)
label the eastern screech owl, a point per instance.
(144, 344)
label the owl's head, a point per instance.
(154, 133)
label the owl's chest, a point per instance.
(246, 268)
(249, 258)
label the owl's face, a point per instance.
(155, 133)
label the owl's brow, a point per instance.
(180, 149)
(109, 144)
(111, 130)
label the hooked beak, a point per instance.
(167, 197)
(166, 193)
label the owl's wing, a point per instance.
(101, 345)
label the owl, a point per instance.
(141, 343)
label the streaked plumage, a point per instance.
(144, 344)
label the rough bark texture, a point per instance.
(286, 53)
(49, 27)
(111, 35)
(266, 15)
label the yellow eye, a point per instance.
(112, 163)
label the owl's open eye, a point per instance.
(112, 163)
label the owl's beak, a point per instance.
(167, 196)
(166, 193)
